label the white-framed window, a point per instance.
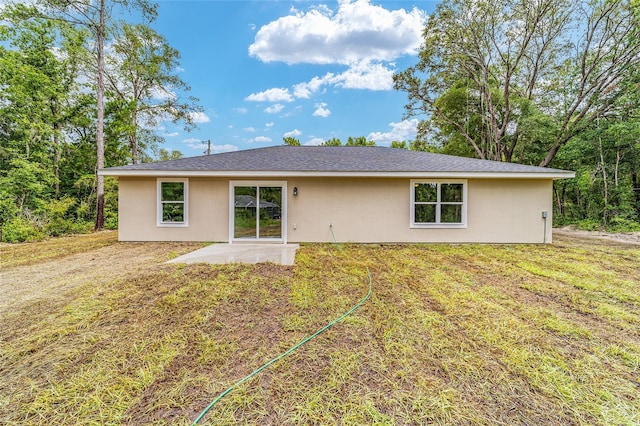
(173, 202)
(438, 203)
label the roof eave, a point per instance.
(552, 174)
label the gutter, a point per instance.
(552, 174)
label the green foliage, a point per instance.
(516, 81)
(21, 229)
(399, 144)
(550, 83)
(332, 142)
(291, 141)
(48, 109)
(359, 141)
(142, 65)
(164, 155)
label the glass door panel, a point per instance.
(245, 212)
(270, 202)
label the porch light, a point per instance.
(295, 191)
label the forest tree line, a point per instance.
(554, 83)
(79, 90)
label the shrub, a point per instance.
(589, 225)
(21, 229)
(622, 224)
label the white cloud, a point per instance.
(171, 135)
(269, 124)
(293, 133)
(199, 117)
(260, 139)
(357, 31)
(240, 110)
(274, 109)
(249, 129)
(365, 75)
(404, 130)
(193, 143)
(305, 90)
(315, 142)
(321, 110)
(217, 149)
(271, 95)
(200, 145)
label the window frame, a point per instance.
(438, 203)
(258, 184)
(184, 202)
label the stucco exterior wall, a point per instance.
(360, 210)
(378, 210)
(208, 211)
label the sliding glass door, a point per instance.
(257, 211)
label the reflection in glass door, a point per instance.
(257, 212)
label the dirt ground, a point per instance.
(632, 238)
(52, 278)
(47, 279)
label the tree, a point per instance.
(39, 68)
(142, 81)
(164, 155)
(332, 142)
(96, 18)
(359, 141)
(399, 144)
(518, 80)
(291, 141)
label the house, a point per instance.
(361, 194)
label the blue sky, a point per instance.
(313, 70)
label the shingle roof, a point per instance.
(329, 159)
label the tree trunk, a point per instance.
(635, 187)
(100, 122)
(605, 213)
(57, 154)
(550, 155)
(133, 141)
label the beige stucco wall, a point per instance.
(378, 210)
(360, 209)
(208, 211)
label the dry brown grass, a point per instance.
(453, 334)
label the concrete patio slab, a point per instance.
(280, 254)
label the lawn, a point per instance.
(452, 334)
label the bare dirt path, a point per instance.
(47, 279)
(632, 238)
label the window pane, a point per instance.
(246, 204)
(172, 191)
(426, 192)
(173, 212)
(270, 212)
(451, 213)
(425, 213)
(451, 192)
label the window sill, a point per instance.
(438, 226)
(172, 225)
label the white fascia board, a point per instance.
(281, 174)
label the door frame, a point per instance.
(283, 210)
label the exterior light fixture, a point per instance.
(295, 191)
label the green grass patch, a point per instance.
(452, 334)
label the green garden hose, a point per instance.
(293, 348)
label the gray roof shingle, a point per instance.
(340, 159)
